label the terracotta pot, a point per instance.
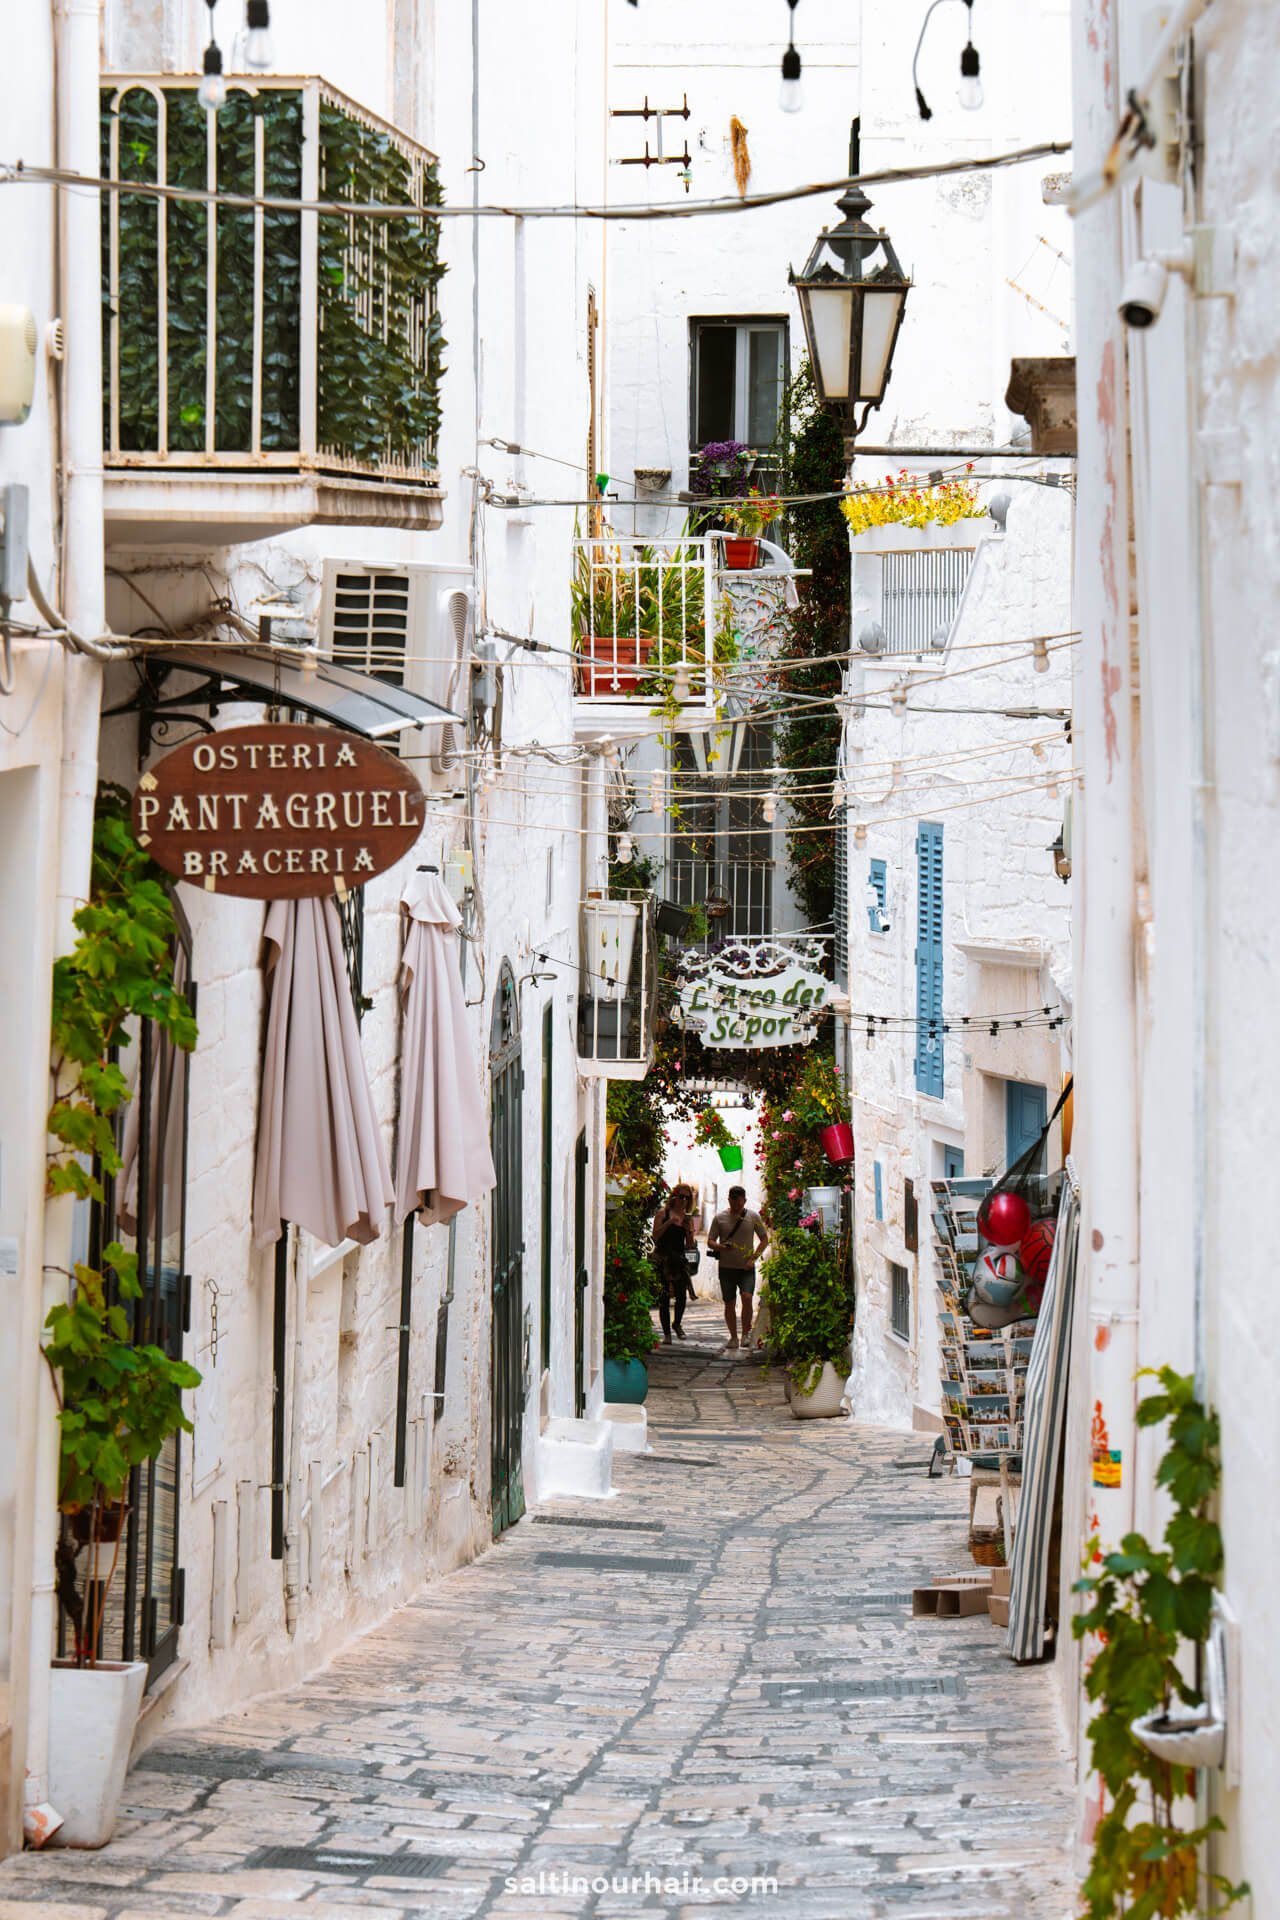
(837, 1142)
(741, 554)
(602, 661)
(111, 1519)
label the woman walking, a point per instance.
(672, 1234)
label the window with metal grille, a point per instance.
(721, 852)
(929, 959)
(739, 368)
(371, 623)
(899, 1301)
(919, 596)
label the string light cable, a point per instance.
(18, 173)
(970, 90)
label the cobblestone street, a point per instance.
(714, 1675)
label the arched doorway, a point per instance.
(507, 1355)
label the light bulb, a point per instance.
(769, 809)
(791, 92)
(839, 795)
(655, 793)
(212, 91)
(680, 685)
(970, 94)
(257, 47)
(626, 847)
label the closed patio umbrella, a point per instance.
(442, 1154)
(321, 1162)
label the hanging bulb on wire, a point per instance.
(769, 808)
(680, 685)
(839, 795)
(258, 51)
(212, 91)
(655, 792)
(625, 849)
(791, 92)
(970, 93)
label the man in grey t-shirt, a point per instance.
(739, 1237)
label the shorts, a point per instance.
(735, 1280)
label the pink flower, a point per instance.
(777, 1136)
(797, 1164)
(788, 1115)
(793, 1193)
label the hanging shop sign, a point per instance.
(278, 812)
(757, 993)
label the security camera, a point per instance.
(1142, 296)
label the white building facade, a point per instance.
(1176, 851)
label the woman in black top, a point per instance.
(672, 1233)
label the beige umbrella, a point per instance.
(442, 1153)
(321, 1161)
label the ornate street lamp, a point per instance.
(852, 294)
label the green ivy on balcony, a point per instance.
(378, 356)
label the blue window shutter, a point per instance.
(875, 1166)
(929, 955)
(879, 886)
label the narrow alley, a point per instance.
(713, 1676)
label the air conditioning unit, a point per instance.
(412, 625)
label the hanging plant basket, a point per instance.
(741, 554)
(731, 1158)
(837, 1142)
(673, 920)
(716, 906)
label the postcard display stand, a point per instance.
(984, 1374)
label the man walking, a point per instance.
(739, 1237)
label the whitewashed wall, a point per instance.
(1006, 914)
(1177, 891)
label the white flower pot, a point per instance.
(824, 1403)
(1186, 1743)
(899, 538)
(93, 1712)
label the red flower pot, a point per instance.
(602, 662)
(837, 1142)
(741, 553)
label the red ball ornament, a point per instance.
(1003, 1218)
(1036, 1249)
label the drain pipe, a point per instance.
(293, 1539)
(76, 27)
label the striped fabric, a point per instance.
(1045, 1411)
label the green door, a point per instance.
(507, 1360)
(581, 1277)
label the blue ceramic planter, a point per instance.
(626, 1382)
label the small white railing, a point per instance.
(253, 336)
(659, 618)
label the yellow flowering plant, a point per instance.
(905, 502)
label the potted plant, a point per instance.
(629, 1337)
(710, 1130)
(748, 520)
(1150, 1611)
(810, 1319)
(900, 514)
(119, 1401)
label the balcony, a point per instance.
(618, 1001)
(262, 368)
(665, 625)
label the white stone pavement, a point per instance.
(722, 1680)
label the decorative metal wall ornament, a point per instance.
(754, 993)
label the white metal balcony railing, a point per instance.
(919, 596)
(659, 617)
(256, 337)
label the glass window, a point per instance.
(739, 368)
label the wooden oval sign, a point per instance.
(278, 812)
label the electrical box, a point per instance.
(17, 364)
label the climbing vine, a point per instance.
(1145, 1606)
(118, 1400)
(810, 457)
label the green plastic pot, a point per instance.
(626, 1382)
(731, 1158)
